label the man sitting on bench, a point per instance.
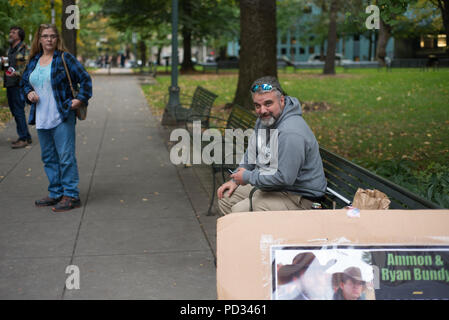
(296, 179)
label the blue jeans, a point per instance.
(16, 102)
(58, 156)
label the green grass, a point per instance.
(377, 119)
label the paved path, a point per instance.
(141, 232)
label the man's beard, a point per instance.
(268, 122)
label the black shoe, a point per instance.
(47, 201)
(66, 204)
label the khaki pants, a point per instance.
(262, 201)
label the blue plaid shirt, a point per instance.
(60, 83)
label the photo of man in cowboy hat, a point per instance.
(304, 279)
(350, 284)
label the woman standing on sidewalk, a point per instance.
(47, 89)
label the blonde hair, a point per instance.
(36, 46)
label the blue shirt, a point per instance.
(59, 83)
(47, 115)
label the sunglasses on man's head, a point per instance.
(264, 87)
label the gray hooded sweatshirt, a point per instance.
(294, 163)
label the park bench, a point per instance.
(208, 66)
(308, 65)
(407, 63)
(227, 64)
(360, 65)
(345, 177)
(199, 108)
(233, 64)
(239, 118)
(281, 64)
(224, 64)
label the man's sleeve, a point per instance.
(21, 60)
(290, 158)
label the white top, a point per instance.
(47, 114)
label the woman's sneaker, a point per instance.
(66, 204)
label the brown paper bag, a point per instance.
(367, 199)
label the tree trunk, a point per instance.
(143, 52)
(158, 55)
(444, 7)
(187, 65)
(370, 47)
(68, 34)
(329, 65)
(258, 46)
(384, 36)
(322, 50)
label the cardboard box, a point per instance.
(245, 240)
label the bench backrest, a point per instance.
(346, 177)
(241, 118)
(231, 64)
(408, 63)
(281, 64)
(202, 102)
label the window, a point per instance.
(292, 51)
(283, 51)
(292, 40)
(442, 41)
(302, 51)
(311, 50)
(426, 41)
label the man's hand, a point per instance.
(33, 97)
(76, 104)
(238, 176)
(230, 185)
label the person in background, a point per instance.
(13, 66)
(53, 111)
(351, 285)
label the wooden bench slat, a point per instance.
(239, 118)
(351, 176)
(200, 109)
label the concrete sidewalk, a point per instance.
(141, 233)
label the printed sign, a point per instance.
(360, 272)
